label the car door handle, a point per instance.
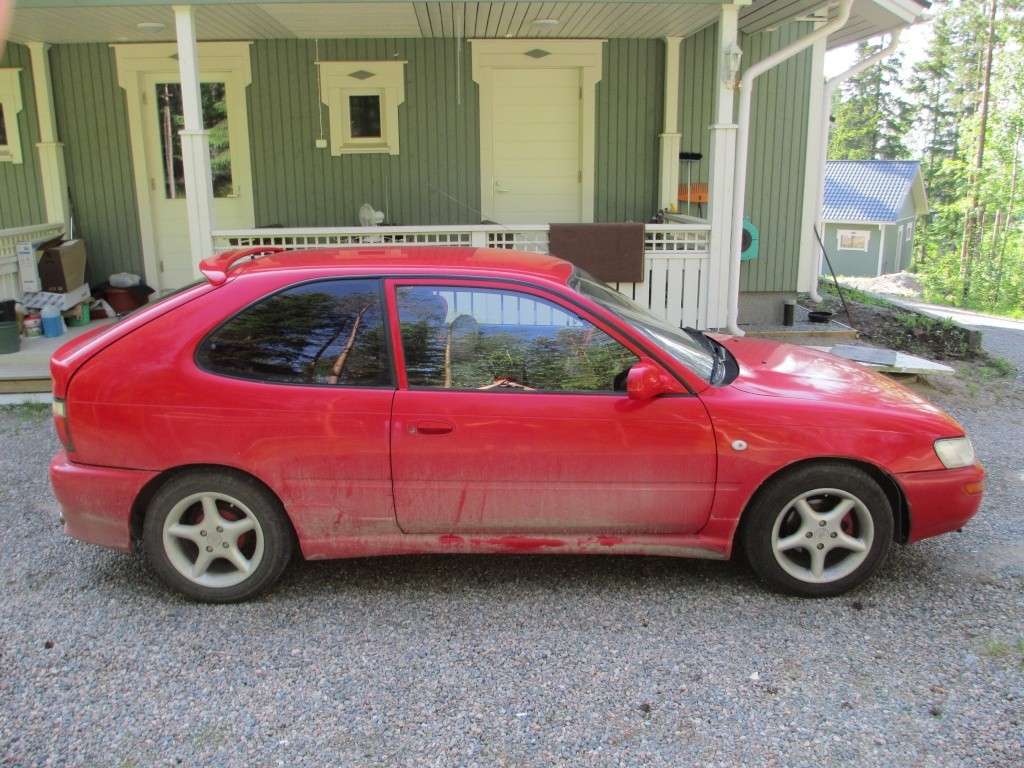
(431, 428)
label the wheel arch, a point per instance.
(888, 484)
(150, 489)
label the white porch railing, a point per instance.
(10, 281)
(676, 255)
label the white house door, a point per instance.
(225, 119)
(536, 146)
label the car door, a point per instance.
(511, 417)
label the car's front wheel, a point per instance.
(820, 530)
(216, 536)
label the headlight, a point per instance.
(955, 452)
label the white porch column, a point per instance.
(808, 273)
(817, 114)
(195, 144)
(723, 168)
(668, 188)
(50, 150)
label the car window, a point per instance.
(485, 339)
(329, 332)
(671, 339)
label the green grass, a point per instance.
(988, 367)
(852, 294)
(997, 648)
(946, 299)
(28, 410)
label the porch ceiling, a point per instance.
(116, 21)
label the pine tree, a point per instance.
(871, 116)
(974, 220)
(935, 90)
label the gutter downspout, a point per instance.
(743, 140)
(826, 128)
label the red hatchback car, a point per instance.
(405, 400)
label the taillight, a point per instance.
(60, 422)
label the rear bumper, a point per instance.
(941, 500)
(96, 502)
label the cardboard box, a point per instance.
(62, 301)
(29, 253)
(62, 266)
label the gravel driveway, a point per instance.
(510, 661)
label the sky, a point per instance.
(913, 46)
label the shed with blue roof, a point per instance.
(869, 215)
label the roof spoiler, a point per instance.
(215, 268)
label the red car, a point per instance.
(405, 400)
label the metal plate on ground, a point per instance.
(889, 360)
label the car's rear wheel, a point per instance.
(820, 530)
(216, 537)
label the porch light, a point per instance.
(152, 27)
(546, 22)
(731, 57)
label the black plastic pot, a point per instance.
(819, 316)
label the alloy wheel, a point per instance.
(213, 539)
(822, 535)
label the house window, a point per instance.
(10, 106)
(910, 230)
(362, 99)
(853, 239)
(364, 116)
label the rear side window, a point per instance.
(329, 332)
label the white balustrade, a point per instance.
(676, 255)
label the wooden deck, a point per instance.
(28, 371)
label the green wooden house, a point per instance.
(869, 215)
(161, 133)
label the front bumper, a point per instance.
(941, 500)
(96, 502)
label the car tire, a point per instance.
(819, 530)
(216, 536)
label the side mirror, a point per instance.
(645, 381)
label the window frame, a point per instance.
(385, 79)
(865, 233)
(10, 99)
(579, 310)
(388, 336)
(346, 124)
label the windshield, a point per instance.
(683, 346)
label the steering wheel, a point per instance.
(506, 383)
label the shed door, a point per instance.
(536, 146)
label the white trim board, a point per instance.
(585, 55)
(881, 249)
(10, 97)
